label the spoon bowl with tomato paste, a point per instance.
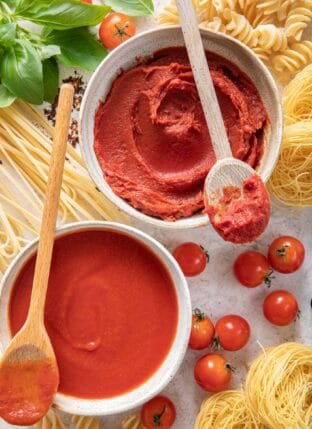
(143, 133)
(118, 313)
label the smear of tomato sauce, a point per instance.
(26, 391)
(111, 312)
(241, 215)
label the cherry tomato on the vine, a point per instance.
(191, 257)
(280, 307)
(87, 1)
(233, 332)
(202, 331)
(251, 269)
(212, 372)
(115, 29)
(159, 412)
(286, 254)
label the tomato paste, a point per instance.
(26, 391)
(241, 215)
(151, 138)
(111, 312)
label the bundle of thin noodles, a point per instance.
(291, 181)
(279, 386)
(226, 410)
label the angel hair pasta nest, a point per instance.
(278, 394)
(279, 386)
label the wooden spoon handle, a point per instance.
(202, 77)
(50, 210)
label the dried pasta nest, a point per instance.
(226, 410)
(279, 386)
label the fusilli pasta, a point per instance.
(269, 7)
(271, 38)
(272, 28)
(289, 62)
(220, 5)
(284, 10)
(82, 422)
(262, 53)
(297, 20)
(255, 16)
(205, 10)
(239, 27)
(51, 421)
(215, 25)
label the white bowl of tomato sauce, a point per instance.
(118, 313)
(142, 130)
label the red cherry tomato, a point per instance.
(251, 269)
(115, 29)
(213, 373)
(202, 331)
(233, 332)
(286, 254)
(159, 412)
(280, 308)
(87, 1)
(191, 257)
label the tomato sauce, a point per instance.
(241, 215)
(26, 391)
(151, 138)
(111, 312)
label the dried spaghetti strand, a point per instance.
(25, 148)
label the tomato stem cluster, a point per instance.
(157, 417)
(282, 252)
(268, 278)
(121, 31)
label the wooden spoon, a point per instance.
(28, 370)
(227, 171)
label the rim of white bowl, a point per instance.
(159, 380)
(92, 163)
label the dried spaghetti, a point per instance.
(25, 154)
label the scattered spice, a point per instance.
(73, 136)
(79, 88)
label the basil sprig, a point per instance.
(29, 60)
(132, 7)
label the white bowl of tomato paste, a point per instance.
(143, 134)
(118, 313)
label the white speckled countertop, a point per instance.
(217, 292)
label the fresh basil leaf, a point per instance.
(132, 7)
(79, 48)
(48, 51)
(45, 32)
(6, 97)
(7, 34)
(21, 72)
(61, 14)
(11, 3)
(50, 79)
